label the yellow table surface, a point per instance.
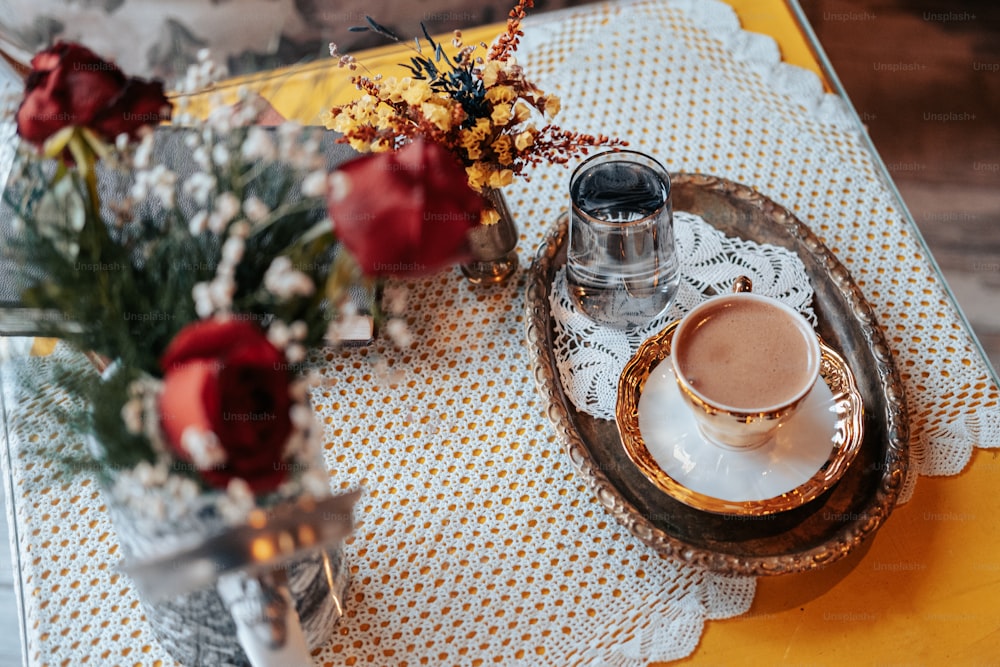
(302, 92)
(925, 591)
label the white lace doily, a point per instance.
(476, 542)
(680, 79)
(590, 357)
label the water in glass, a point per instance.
(622, 270)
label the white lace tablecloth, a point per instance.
(476, 543)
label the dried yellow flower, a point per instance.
(491, 72)
(500, 178)
(479, 107)
(522, 112)
(501, 94)
(501, 115)
(479, 175)
(359, 145)
(415, 91)
(524, 140)
(503, 148)
(438, 112)
(489, 216)
(552, 105)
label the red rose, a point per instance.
(404, 212)
(70, 85)
(225, 403)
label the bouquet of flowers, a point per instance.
(482, 108)
(201, 263)
(197, 264)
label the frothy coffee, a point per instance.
(745, 354)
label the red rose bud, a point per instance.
(225, 403)
(70, 85)
(405, 212)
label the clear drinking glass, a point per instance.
(621, 267)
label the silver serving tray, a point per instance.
(807, 537)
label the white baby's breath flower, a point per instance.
(198, 223)
(279, 265)
(301, 416)
(232, 250)
(189, 83)
(399, 332)
(298, 390)
(202, 296)
(143, 152)
(314, 185)
(202, 157)
(299, 284)
(284, 281)
(141, 186)
(248, 112)
(238, 501)
(149, 476)
(203, 447)
(122, 141)
(340, 185)
(220, 155)
(239, 229)
(227, 205)
(187, 489)
(207, 70)
(132, 415)
(278, 334)
(288, 141)
(308, 157)
(299, 330)
(221, 290)
(258, 145)
(164, 185)
(295, 353)
(289, 131)
(199, 186)
(225, 270)
(220, 119)
(395, 298)
(159, 180)
(316, 482)
(255, 209)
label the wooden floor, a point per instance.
(925, 78)
(907, 66)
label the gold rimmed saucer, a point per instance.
(805, 459)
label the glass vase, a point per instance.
(232, 580)
(494, 254)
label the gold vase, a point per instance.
(493, 246)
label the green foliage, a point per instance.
(125, 290)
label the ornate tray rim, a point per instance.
(853, 532)
(836, 373)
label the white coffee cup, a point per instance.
(744, 363)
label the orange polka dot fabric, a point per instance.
(476, 544)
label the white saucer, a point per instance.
(802, 445)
